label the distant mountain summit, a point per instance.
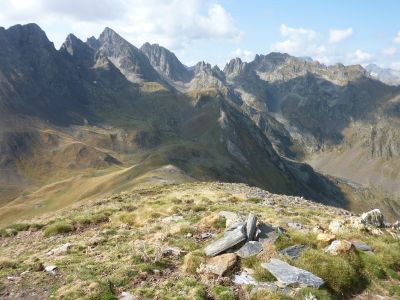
(104, 115)
(386, 75)
(166, 63)
(132, 62)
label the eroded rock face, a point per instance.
(289, 275)
(221, 264)
(373, 218)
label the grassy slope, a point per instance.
(117, 244)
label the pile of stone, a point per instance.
(244, 238)
(247, 238)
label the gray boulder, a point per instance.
(249, 249)
(251, 226)
(361, 246)
(373, 218)
(293, 251)
(229, 240)
(289, 275)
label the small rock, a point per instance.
(335, 226)
(361, 246)
(326, 237)
(295, 225)
(373, 218)
(231, 217)
(396, 225)
(289, 275)
(249, 249)
(206, 235)
(173, 218)
(293, 251)
(173, 251)
(221, 264)
(251, 226)
(51, 270)
(189, 235)
(61, 250)
(96, 240)
(126, 296)
(244, 278)
(338, 246)
(317, 229)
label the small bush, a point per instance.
(127, 218)
(254, 200)
(6, 263)
(58, 228)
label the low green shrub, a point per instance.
(58, 228)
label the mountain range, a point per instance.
(103, 116)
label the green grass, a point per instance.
(223, 293)
(58, 228)
(219, 223)
(319, 293)
(260, 274)
(293, 237)
(270, 295)
(192, 261)
(254, 200)
(340, 272)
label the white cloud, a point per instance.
(338, 35)
(302, 42)
(396, 39)
(172, 23)
(396, 65)
(245, 55)
(359, 57)
(389, 51)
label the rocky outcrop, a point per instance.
(166, 63)
(132, 62)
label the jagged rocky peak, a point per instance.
(283, 67)
(166, 63)
(386, 75)
(28, 35)
(93, 43)
(132, 62)
(77, 49)
(234, 67)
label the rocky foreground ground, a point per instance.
(201, 241)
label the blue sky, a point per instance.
(216, 30)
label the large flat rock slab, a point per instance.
(229, 240)
(289, 275)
